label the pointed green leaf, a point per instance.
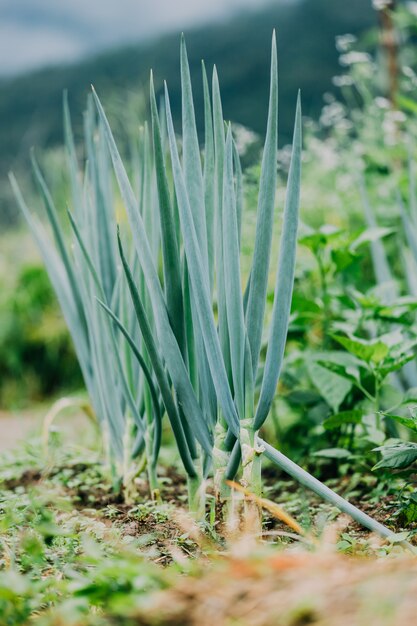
(264, 222)
(193, 175)
(200, 284)
(284, 280)
(172, 353)
(209, 190)
(234, 303)
(170, 251)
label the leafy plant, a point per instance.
(189, 327)
(114, 379)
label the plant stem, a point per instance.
(306, 479)
(196, 496)
(252, 473)
(150, 434)
(389, 43)
(220, 462)
(151, 467)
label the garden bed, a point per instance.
(74, 552)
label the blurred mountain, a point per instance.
(31, 104)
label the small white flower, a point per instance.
(353, 57)
(382, 103)
(343, 42)
(244, 137)
(344, 80)
(380, 5)
(332, 114)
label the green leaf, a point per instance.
(369, 235)
(393, 365)
(139, 357)
(170, 249)
(410, 396)
(407, 103)
(409, 228)
(303, 397)
(239, 190)
(60, 242)
(209, 176)
(322, 490)
(397, 456)
(219, 150)
(369, 351)
(320, 238)
(160, 375)
(284, 281)
(98, 218)
(200, 289)
(117, 357)
(193, 175)
(234, 302)
(409, 422)
(59, 279)
(333, 387)
(333, 453)
(171, 350)
(342, 259)
(264, 222)
(344, 417)
(76, 186)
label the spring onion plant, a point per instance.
(191, 340)
(83, 265)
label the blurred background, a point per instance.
(47, 47)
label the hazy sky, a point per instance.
(39, 32)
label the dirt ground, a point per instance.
(242, 583)
(15, 427)
(20, 425)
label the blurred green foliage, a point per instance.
(36, 354)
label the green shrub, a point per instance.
(36, 354)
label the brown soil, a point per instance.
(18, 426)
(163, 527)
(241, 582)
(174, 494)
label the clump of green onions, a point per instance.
(170, 330)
